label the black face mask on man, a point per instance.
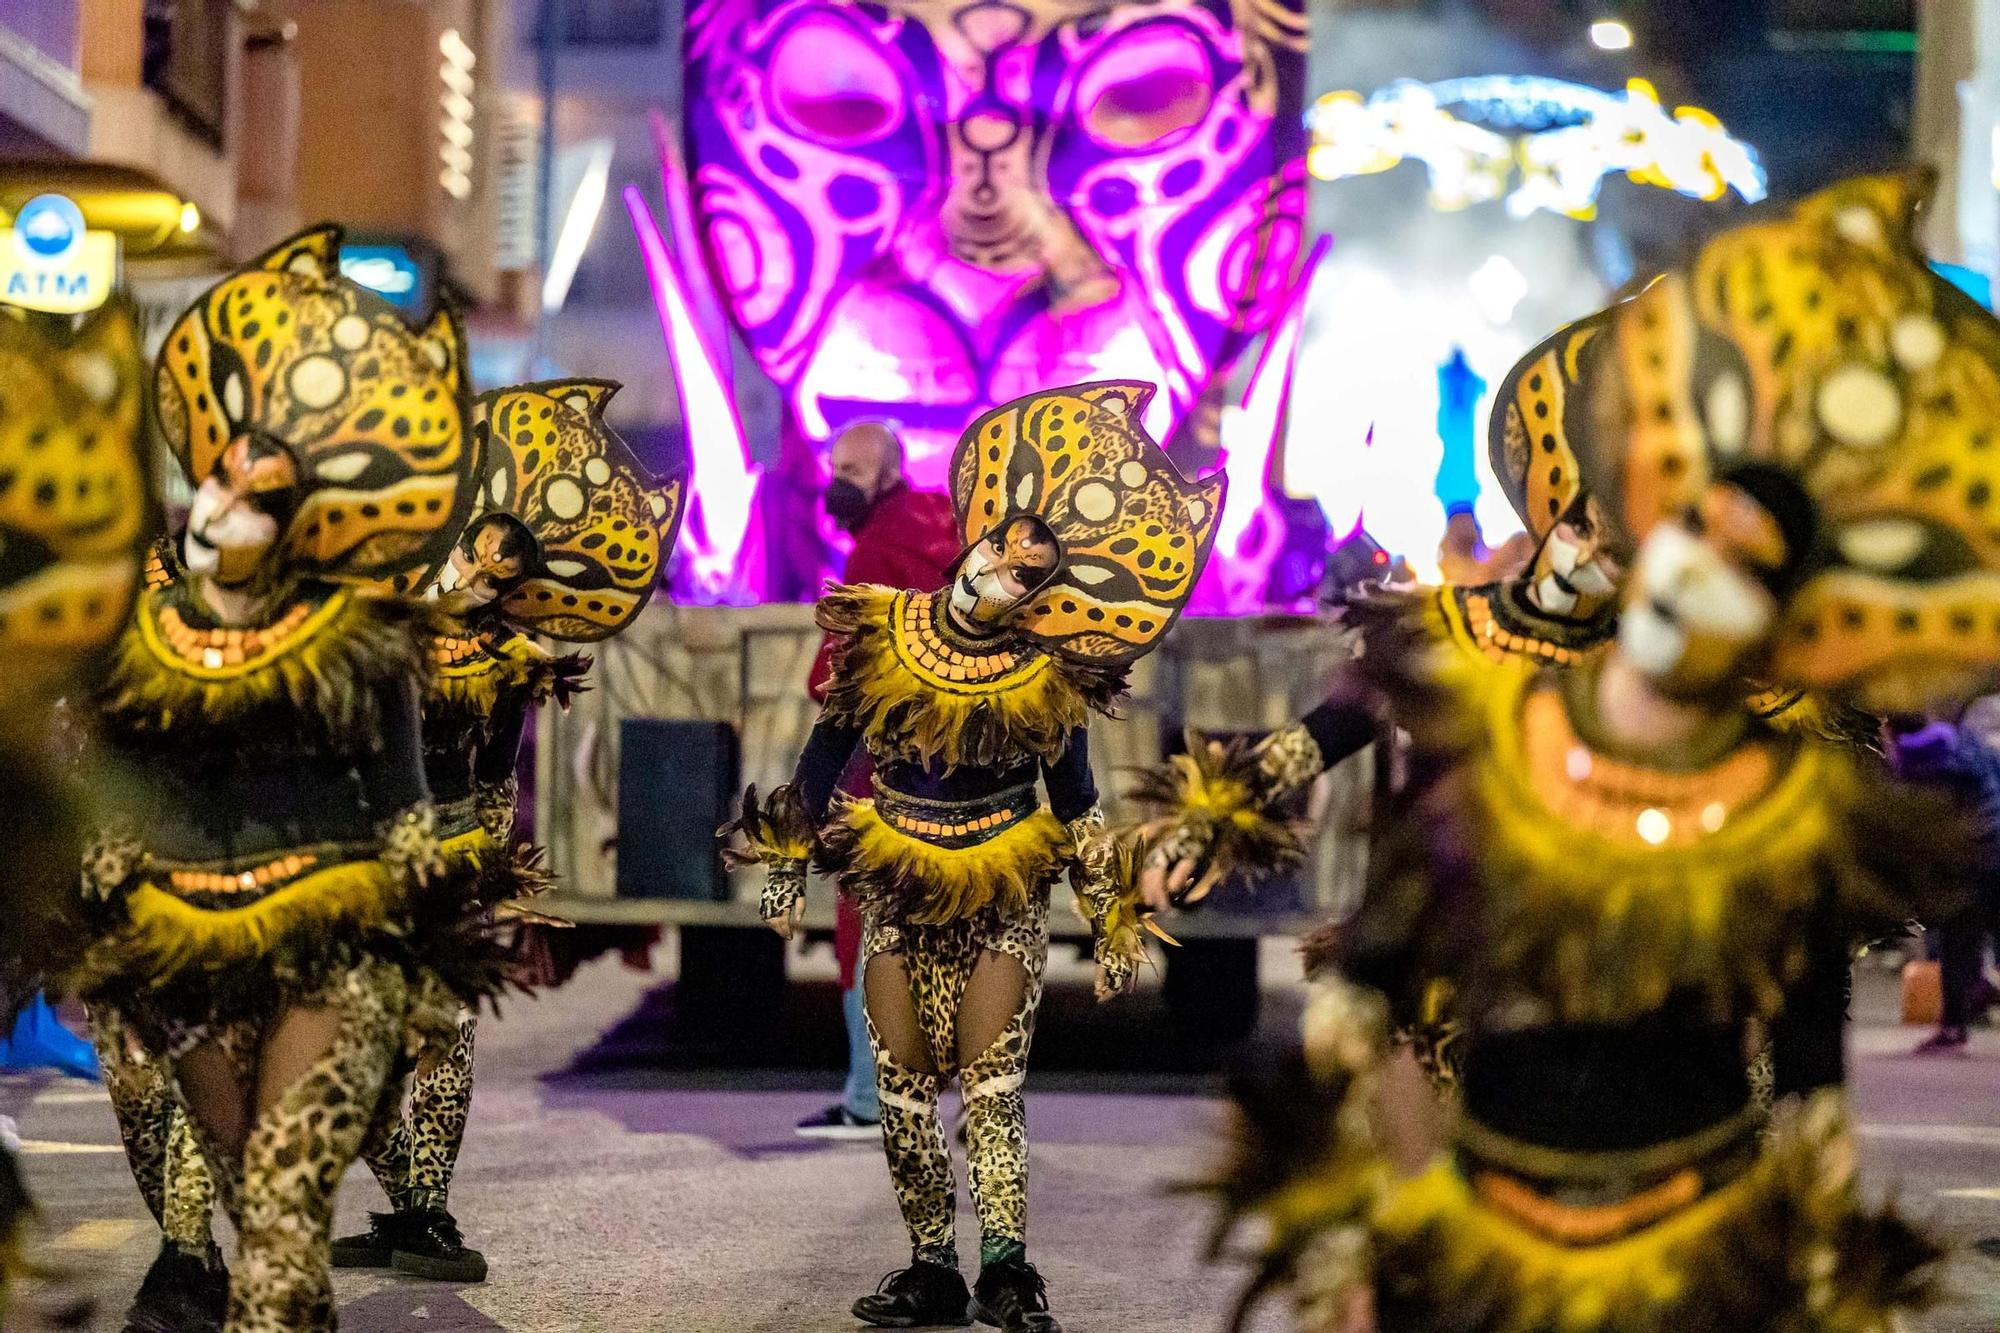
(847, 504)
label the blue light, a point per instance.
(387, 270)
(1970, 281)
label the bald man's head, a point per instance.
(869, 455)
(867, 463)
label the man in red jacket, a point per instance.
(902, 539)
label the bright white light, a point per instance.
(1498, 287)
(1610, 35)
(579, 221)
(190, 217)
(1590, 134)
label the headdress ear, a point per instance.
(585, 396)
(314, 251)
(444, 343)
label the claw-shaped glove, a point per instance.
(777, 836)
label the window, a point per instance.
(604, 22)
(186, 60)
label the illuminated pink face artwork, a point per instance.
(917, 210)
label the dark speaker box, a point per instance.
(677, 783)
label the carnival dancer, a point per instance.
(269, 896)
(1620, 866)
(73, 524)
(1082, 545)
(570, 540)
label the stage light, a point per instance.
(579, 222)
(1610, 35)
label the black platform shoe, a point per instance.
(924, 1295)
(1012, 1297)
(184, 1292)
(430, 1247)
(375, 1247)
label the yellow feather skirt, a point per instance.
(929, 885)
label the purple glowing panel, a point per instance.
(920, 209)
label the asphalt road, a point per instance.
(610, 1193)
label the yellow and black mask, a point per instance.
(371, 410)
(1131, 534)
(1814, 353)
(75, 507)
(602, 526)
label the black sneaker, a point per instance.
(183, 1292)
(1012, 1297)
(431, 1247)
(375, 1247)
(837, 1122)
(924, 1295)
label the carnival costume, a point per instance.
(1795, 439)
(963, 697)
(270, 897)
(74, 512)
(594, 531)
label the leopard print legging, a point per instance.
(159, 1147)
(939, 962)
(414, 1154)
(280, 1192)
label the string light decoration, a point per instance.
(1540, 144)
(455, 110)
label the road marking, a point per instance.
(1990, 1194)
(71, 1096)
(98, 1234)
(1962, 1136)
(53, 1148)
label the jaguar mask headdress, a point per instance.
(1132, 535)
(1813, 361)
(602, 526)
(75, 508)
(371, 412)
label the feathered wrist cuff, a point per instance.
(776, 835)
(495, 803)
(1220, 806)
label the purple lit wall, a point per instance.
(914, 211)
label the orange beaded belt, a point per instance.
(1592, 1198)
(268, 875)
(955, 823)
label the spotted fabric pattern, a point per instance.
(280, 1194)
(939, 960)
(415, 1158)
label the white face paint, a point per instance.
(977, 595)
(1692, 614)
(227, 536)
(1571, 570)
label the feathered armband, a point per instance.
(1220, 805)
(776, 835)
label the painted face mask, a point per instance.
(919, 210)
(492, 558)
(371, 412)
(1818, 346)
(238, 512)
(602, 526)
(1000, 572)
(1131, 535)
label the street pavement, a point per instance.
(614, 1186)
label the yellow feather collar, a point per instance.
(321, 663)
(1605, 885)
(922, 694)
